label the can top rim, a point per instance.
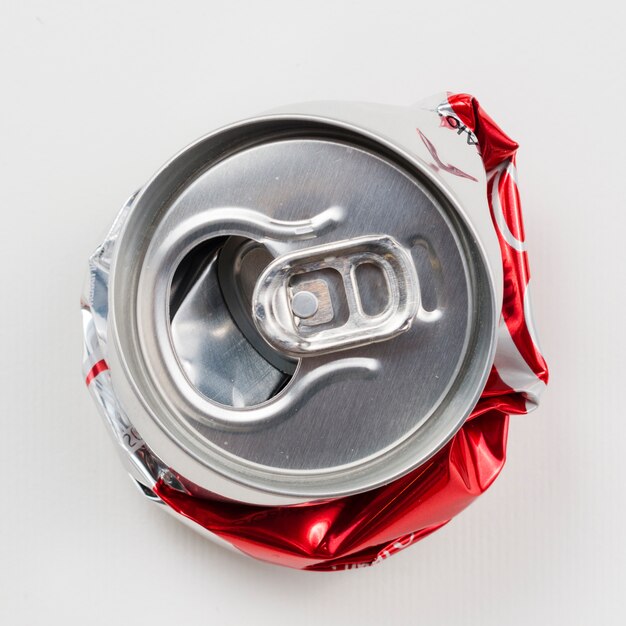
(174, 442)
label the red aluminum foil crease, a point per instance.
(365, 528)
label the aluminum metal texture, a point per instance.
(345, 422)
(164, 480)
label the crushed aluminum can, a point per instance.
(308, 330)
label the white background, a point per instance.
(97, 95)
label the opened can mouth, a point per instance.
(212, 330)
(298, 307)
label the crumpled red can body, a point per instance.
(365, 528)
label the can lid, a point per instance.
(301, 309)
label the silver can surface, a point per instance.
(297, 307)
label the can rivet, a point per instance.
(304, 304)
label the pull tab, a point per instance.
(336, 296)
